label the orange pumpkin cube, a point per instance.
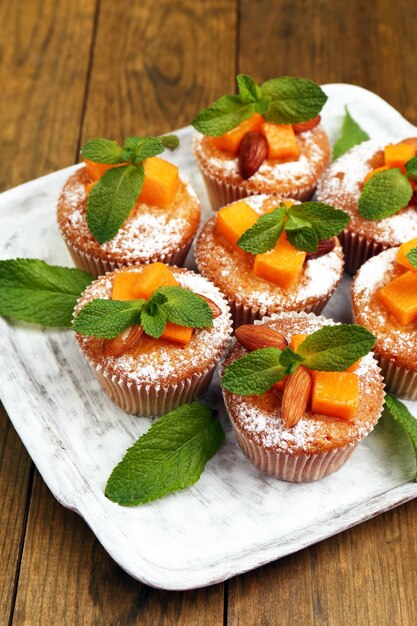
(279, 386)
(398, 155)
(282, 265)
(134, 285)
(176, 333)
(400, 297)
(230, 141)
(335, 394)
(89, 187)
(282, 143)
(96, 170)
(373, 172)
(161, 182)
(354, 366)
(233, 220)
(296, 341)
(402, 254)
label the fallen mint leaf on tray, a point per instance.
(405, 419)
(352, 135)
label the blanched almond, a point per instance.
(124, 342)
(255, 337)
(296, 396)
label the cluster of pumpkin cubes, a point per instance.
(399, 296)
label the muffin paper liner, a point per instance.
(98, 267)
(221, 193)
(298, 468)
(399, 380)
(357, 249)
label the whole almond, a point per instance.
(215, 310)
(301, 127)
(124, 342)
(255, 337)
(325, 246)
(297, 392)
(252, 153)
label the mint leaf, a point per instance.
(351, 135)
(170, 456)
(325, 220)
(138, 149)
(111, 199)
(412, 257)
(102, 150)
(153, 321)
(264, 234)
(170, 142)
(106, 319)
(292, 100)
(254, 373)
(249, 90)
(226, 113)
(303, 237)
(335, 348)
(185, 308)
(33, 291)
(411, 168)
(385, 194)
(405, 419)
(290, 360)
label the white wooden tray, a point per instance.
(235, 518)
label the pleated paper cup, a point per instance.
(399, 380)
(358, 249)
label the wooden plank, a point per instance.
(153, 66)
(45, 57)
(15, 480)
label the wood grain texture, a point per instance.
(44, 48)
(15, 480)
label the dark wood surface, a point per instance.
(71, 69)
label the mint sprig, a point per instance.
(411, 169)
(170, 456)
(332, 348)
(305, 224)
(33, 291)
(405, 419)
(351, 135)
(108, 318)
(115, 194)
(385, 194)
(412, 257)
(284, 100)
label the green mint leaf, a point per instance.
(249, 90)
(106, 319)
(325, 220)
(102, 150)
(170, 456)
(405, 419)
(335, 348)
(226, 113)
(411, 168)
(292, 100)
(185, 308)
(264, 234)
(384, 194)
(111, 199)
(33, 291)
(290, 360)
(303, 238)
(170, 142)
(138, 149)
(254, 373)
(153, 320)
(351, 135)
(412, 257)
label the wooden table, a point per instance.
(73, 69)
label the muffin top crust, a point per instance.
(341, 185)
(259, 417)
(395, 341)
(149, 233)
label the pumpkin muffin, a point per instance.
(148, 376)
(160, 226)
(252, 296)
(384, 300)
(342, 185)
(319, 443)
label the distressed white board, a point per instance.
(235, 518)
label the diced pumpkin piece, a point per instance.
(134, 285)
(89, 187)
(282, 143)
(373, 172)
(335, 394)
(176, 333)
(230, 141)
(400, 297)
(233, 220)
(96, 170)
(279, 386)
(296, 341)
(398, 155)
(161, 182)
(282, 265)
(403, 251)
(354, 366)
